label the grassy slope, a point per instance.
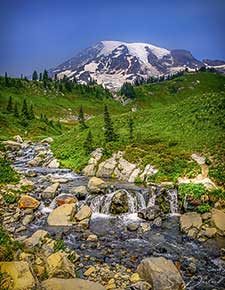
(173, 119)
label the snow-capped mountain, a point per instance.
(111, 63)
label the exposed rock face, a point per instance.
(58, 265)
(62, 215)
(20, 274)
(96, 185)
(119, 203)
(116, 166)
(161, 274)
(27, 201)
(70, 284)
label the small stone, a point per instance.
(89, 271)
(135, 277)
(92, 238)
(132, 227)
(27, 219)
(83, 213)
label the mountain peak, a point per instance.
(111, 63)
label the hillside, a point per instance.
(171, 120)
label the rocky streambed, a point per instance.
(108, 227)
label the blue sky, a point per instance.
(42, 34)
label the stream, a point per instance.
(200, 263)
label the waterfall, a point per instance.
(172, 193)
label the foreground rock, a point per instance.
(218, 219)
(27, 201)
(58, 265)
(36, 238)
(161, 274)
(62, 215)
(20, 274)
(96, 185)
(70, 284)
(83, 213)
(191, 223)
(50, 191)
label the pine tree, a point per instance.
(25, 112)
(10, 105)
(31, 113)
(35, 76)
(109, 131)
(45, 76)
(40, 76)
(81, 119)
(16, 112)
(131, 128)
(88, 143)
(6, 79)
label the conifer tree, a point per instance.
(45, 76)
(6, 79)
(16, 112)
(109, 131)
(35, 76)
(40, 76)
(25, 109)
(81, 119)
(10, 105)
(31, 113)
(131, 128)
(88, 143)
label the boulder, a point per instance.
(160, 273)
(12, 145)
(62, 215)
(96, 185)
(210, 232)
(218, 219)
(119, 202)
(27, 201)
(50, 191)
(66, 200)
(80, 191)
(36, 238)
(37, 161)
(124, 169)
(134, 175)
(199, 159)
(148, 171)
(70, 284)
(150, 213)
(53, 163)
(58, 265)
(18, 139)
(27, 219)
(106, 168)
(190, 220)
(20, 274)
(48, 140)
(83, 213)
(91, 168)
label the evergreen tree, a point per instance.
(35, 76)
(109, 131)
(40, 76)
(25, 112)
(31, 113)
(128, 90)
(81, 119)
(131, 128)
(6, 79)
(88, 143)
(16, 112)
(10, 105)
(45, 76)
